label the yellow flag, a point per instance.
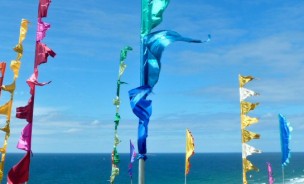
(10, 88)
(15, 66)
(189, 150)
(247, 136)
(114, 173)
(6, 109)
(247, 121)
(247, 106)
(244, 80)
(248, 166)
(6, 128)
(23, 31)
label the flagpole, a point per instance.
(186, 159)
(283, 174)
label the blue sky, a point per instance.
(198, 85)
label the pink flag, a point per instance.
(132, 158)
(43, 8)
(43, 52)
(41, 30)
(24, 142)
(26, 112)
(20, 172)
(32, 81)
(270, 178)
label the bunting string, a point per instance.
(115, 156)
(20, 172)
(6, 109)
(246, 121)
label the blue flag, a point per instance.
(285, 130)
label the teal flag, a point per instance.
(152, 14)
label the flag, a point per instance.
(244, 80)
(43, 8)
(245, 93)
(285, 130)
(20, 172)
(248, 150)
(41, 30)
(43, 52)
(248, 166)
(155, 43)
(26, 112)
(270, 178)
(32, 81)
(15, 66)
(6, 109)
(132, 158)
(247, 106)
(152, 12)
(24, 142)
(247, 136)
(247, 121)
(2, 72)
(142, 108)
(189, 150)
(10, 88)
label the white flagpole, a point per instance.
(186, 159)
(283, 174)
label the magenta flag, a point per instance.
(32, 81)
(26, 112)
(41, 29)
(20, 172)
(43, 52)
(43, 8)
(270, 178)
(24, 142)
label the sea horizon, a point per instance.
(161, 168)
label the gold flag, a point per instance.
(6, 109)
(247, 121)
(244, 80)
(15, 66)
(247, 136)
(248, 166)
(10, 88)
(189, 150)
(247, 106)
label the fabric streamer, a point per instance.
(20, 172)
(189, 150)
(270, 177)
(6, 109)
(116, 102)
(132, 159)
(246, 121)
(285, 130)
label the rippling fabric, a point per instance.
(248, 166)
(244, 80)
(285, 130)
(10, 88)
(245, 93)
(247, 136)
(32, 81)
(247, 121)
(152, 12)
(20, 172)
(132, 158)
(41, 30)
(6, 108)
(247, 106)
(24, 142)
(270, 177)
(154, 44)
(15, 66)
(43, 8)
(142, 108)
(249, 150)
(43, 52)
(189, 150)
(26, 112)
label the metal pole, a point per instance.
(283, 174)
(141, 171)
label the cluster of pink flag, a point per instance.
(20, 172)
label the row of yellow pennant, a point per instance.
(245, 122)
(6, 109)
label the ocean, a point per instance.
(206, 168)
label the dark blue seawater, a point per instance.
(206, 168)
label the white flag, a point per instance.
(245, 93)
(249, 150)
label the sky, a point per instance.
(198, 86)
